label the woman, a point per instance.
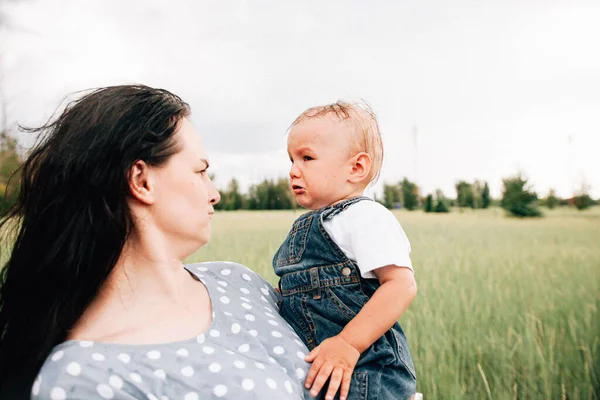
(95, 301)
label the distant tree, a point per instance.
(441, 205)
(231, 198)
(410, 194)
(428, 204)
(10, 183)
(485, 196)
(582, 199)
(391, 195)
(551, 201)
(518, 198)
(270, 195)
(464, 194)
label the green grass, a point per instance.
(506, 309)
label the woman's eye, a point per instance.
(307, 158)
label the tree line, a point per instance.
(518, 198)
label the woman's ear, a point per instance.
(141, 182)
(361, 166)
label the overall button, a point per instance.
(346, 271)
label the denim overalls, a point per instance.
(322, 291)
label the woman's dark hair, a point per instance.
(72, 217)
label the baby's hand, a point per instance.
(335, 357)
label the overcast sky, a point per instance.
(489, 87)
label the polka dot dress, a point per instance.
(249, 352)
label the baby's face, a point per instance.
(319, 150)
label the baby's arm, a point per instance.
(337, 356)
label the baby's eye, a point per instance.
(307, 158)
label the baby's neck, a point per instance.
(355, 193)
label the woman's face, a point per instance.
(185, 195)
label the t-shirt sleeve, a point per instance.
(377, 238)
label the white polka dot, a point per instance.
(220, 289)
(105, 391)
(278, 350)
(203, 269)
(268, 314)
(187, 371)
(253, 332)
(229, 352)
(271, 383)
(192, 396)
(153, 354)
(265, 291)
(300, 373)
(268, 309)
(124, 357)
(115, 382)
(225, 300)
(299, 343)
(214, 367)
(247, 384)
(276, 334)
(264, 299)
(58, 355)
(239, 364)
(220, 390)
(164, 398)
(272, 360)
(200, 275)
(245, 291)
(222, 283)
(301, 355)
(288, 387)
(250, 317)
(150, 396)
(214, 333)
(246, 277)
(259, 365)
(200, 338)
(227, 313)
(208, 350)
(246, 306)
(98, 357)
(242, 298)
(274, 323)
(183, 352)
(226, 272)
(135, 377)
(35, 390)
(74, 369)
(86, 343)
(244, 348)
(160, 374)
(236, 328)
(58, 393)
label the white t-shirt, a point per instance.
(370, 234)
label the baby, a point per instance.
(345, 271)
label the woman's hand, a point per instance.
(334, 357)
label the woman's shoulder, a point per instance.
(225, 273)
(224, 277)
(76, 370)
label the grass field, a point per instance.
(506, 309)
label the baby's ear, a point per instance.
(361, 166)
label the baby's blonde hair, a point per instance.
(366, 136)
